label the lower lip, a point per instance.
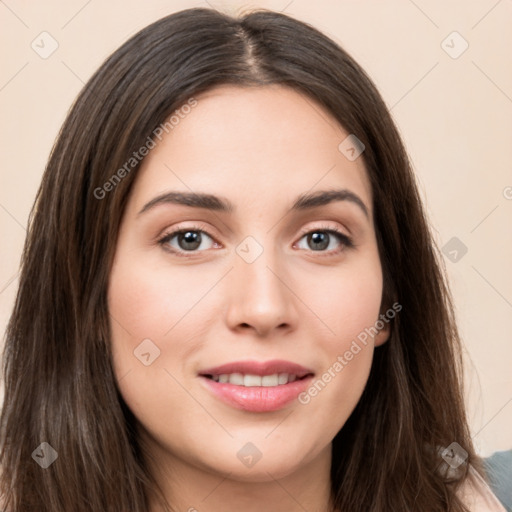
(257, 398)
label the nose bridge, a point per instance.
(255, 266)
(260, 296)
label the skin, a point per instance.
(260, 148)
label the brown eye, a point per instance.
(186, 240)
(189, 240)
(326, 240)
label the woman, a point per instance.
(230, 297)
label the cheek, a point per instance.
(139, 299)
(349, 310)
(346, 301)
(138, 316)
(155, 326)
(143, 307)
(146, 301)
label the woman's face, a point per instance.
(261, 283)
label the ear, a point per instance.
(384, 324)
(382, 335)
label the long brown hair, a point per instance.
(59, 384)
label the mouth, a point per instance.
(257, 386)
(251, 381)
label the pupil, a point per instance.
(319, 238)
(191, 239)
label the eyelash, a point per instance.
(346, 241)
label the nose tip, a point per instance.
(259, 297)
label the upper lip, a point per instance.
(259, 368)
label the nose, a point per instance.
(261, 296)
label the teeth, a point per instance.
(270, 380)
(248, 380)
(282, 378)
(237, 379)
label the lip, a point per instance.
(257, 398)
(259, 368)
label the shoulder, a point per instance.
(477, 495)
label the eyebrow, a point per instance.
(221, 204)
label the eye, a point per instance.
(326, 239)
(191, 239)
(195, 239)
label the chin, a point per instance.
(259, 461)
(269, 470)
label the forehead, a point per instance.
(258, 146)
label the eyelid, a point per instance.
(345, 239)
(171, 233)
(324, 227)
(195, 226)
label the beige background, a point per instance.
(455, 115)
